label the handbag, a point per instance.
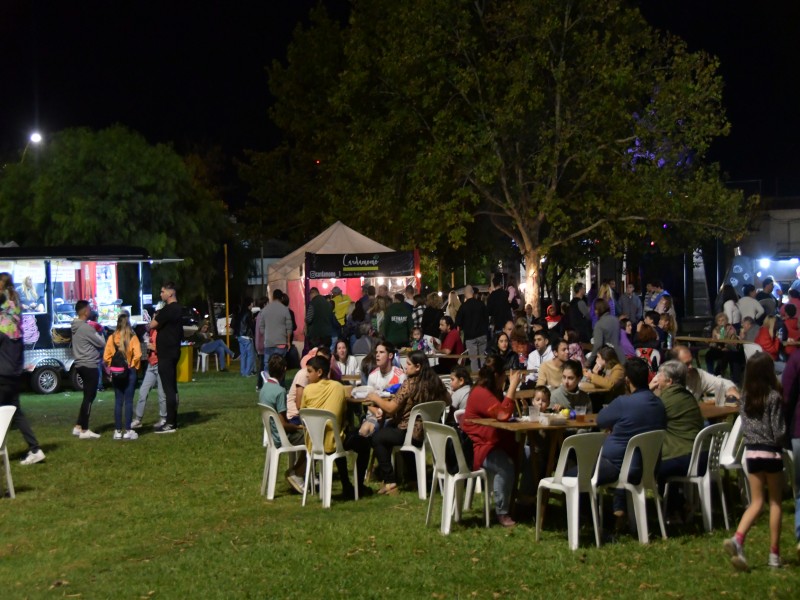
(119, 366)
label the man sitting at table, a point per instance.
(541, 354)
(699, 382)
(684, 422)
(329, 395)
(451, 344)
(550, 371)
(637, 412)
(385, 374)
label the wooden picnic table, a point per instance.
(712, 412)
(705, 340)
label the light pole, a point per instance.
(35, 139)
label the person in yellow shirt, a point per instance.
(329, 395)
(125, 342)
(341, 303)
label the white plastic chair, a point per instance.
(730, 457)
(316, 421)
(201, 364)
(708, 440)
(587, 450)
(450, 486)
(270, 415)
(788, 469)
(427, 411)
(649, 445)
(750, 350)
(6, 414)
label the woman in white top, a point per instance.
(729, 306)
(348, 364)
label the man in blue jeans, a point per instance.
(246, 335)
(637, 412)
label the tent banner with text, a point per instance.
(369, 264)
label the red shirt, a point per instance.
(482, 404)
(770, 345)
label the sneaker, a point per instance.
(88, 434)
(136, 423)
(33, 458)
(117, 434)
(165, 428)
(159, 423)
(774, 561)
(736, 552)
(506, 521)
(296, 482)
(130, 435)
(234, 356)
(76, 431)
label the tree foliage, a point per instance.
(557, 121)
(107, 187)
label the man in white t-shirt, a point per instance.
(541, 354)
(385, 375)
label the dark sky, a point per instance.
(194, 72)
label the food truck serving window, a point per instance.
(29, 281)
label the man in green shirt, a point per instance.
(397, 322)
(684, 421)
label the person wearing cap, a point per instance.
(765, 297)
(749, 306)
(341, 302)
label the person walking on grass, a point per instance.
(86, 346)
(11, 353)
(169, 325)
(764, 432)
(150, 381)
(124, 343)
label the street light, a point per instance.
(35, 138)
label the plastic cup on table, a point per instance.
(580, 413)
(533, 413)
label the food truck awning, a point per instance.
(120, 254)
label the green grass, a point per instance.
(180, 516)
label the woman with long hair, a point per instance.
(764, 433)
(494, 449)
(568, 394)
(422, 384)
(348, 364)
(11, 358)
(28, 296)
(377, 313)
(729, 300)
(604, 293)
(124, 340)
(768, 338)
(502, 350)
(432, 315)
(453, 304)
(607, 375)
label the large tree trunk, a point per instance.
(532, 282)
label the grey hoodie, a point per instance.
(85, 344)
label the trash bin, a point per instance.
(185, 364)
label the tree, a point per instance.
(557, 121)
(112, 187)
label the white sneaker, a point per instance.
(76, 431)
(33, 458)
(736, 552)
(88, 434)
(296, 482)
(775, 561)
(159, 423)
(136, 423)
(130, 435)
(117, 434)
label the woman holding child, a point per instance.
(422, 384)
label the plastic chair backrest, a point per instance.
(427, 411)
(587, 448)
(730, 448)
(6, 414)
(750, 350)
(649, 445)
(459, 416)
(270, 415)
(316, 420)
(437, 436)
(711, 439)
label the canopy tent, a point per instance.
(289, 273)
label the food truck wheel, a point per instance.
(45, 380)
(76, 380)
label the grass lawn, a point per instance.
(180, 516)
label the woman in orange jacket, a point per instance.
(123, 343)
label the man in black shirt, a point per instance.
(579, 319)
(497, 305)
(473, 319)
(169, 324)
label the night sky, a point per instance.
(193, 73)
